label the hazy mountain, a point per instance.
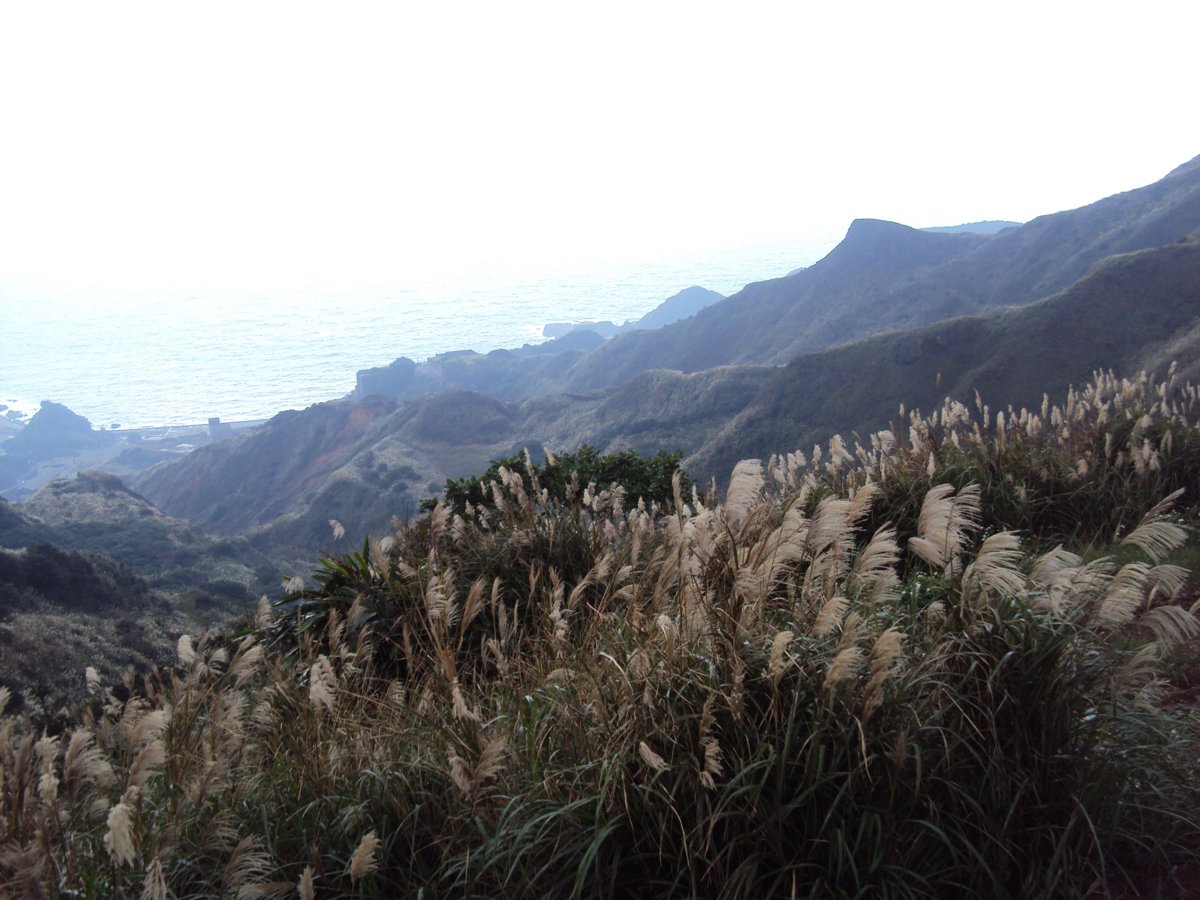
(504, 374)
(991, 226)
(1127, 309)
(885, 277)
(656, 410)
(686, 303)
(339, 460)
(527, 371)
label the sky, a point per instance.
(270, 144)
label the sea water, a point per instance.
(173, 356)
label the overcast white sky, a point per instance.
(270, 143)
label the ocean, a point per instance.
(142, 358)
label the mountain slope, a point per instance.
(1125, 310)
(885, 276)
(96, 512)
(359, 462)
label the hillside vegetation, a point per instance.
(935, 663)
(65, 611)
(96, 513)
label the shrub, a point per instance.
(566, 477)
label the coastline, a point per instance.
(124, 452)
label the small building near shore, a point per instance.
(218, 430)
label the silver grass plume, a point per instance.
(322, 685)
(650, 758)
(830, 616)
(711, 770)
(874, 569)
(777, 664)
(362, 862)
(944, 522)
(304, 887)
(1171, 624)
(247, 868)
(154, 884)
(848, 658)
(1125, 594)
(118, 840)
(262, 613)
(745, 491)
(84, 763)
(467, 778)
(184, 651)
(994, 570)
(1156, 536)
(886, 656)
